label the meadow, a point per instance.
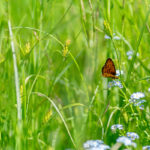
(53, 95)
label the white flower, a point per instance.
(118, 83)
(137, 95)
(101, 147)
(92, 143)
(136, 101)
(118, 72)
(115, 37)
(115, 83)
(130, 54)
(132, 101)
(110, 84)
(139, 102)
(132, 135)
(141, 107)
(146, 147)
(116, 126)
(107, 37)
(126, 141)
(95, 145)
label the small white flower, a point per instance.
(103, 147)
(126, 141)
(132, 101)
(95, 145)
(107, 37)
(141, 107)
(137, 95)
(115, 83)
(148, 89)
(139, 102)
(118, 83)
(132, 135)
(110, 84)
(119, 72)
(92, 143)
(130, 57)
(146, 147)
(115, 37)
(130, 54)
(137, 54)
(116, 126)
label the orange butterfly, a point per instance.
(109, 70)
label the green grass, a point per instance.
(64, 98)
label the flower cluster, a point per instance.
(146, 147)
(126, 141)
(132, 135)
(65, 49)
(136, 99)
(116, 127)
(137, 95)
(95, 145)
(119, 72)
(130, 54)
(115, 84)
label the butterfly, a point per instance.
(109, 70)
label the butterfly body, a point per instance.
(109, 70)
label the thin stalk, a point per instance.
(19, 111)
(119, 62)
(108, 9)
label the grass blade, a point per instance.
(137, 47)
(16, 73)
(62, 118)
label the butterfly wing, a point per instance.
(109, 70)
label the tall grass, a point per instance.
(55, 87)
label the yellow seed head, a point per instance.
(47, 116)
(27, 48)
(50, 148)
(107, 28)
(21, 92)
(65, 50)
(68, 42)
(2, 58)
